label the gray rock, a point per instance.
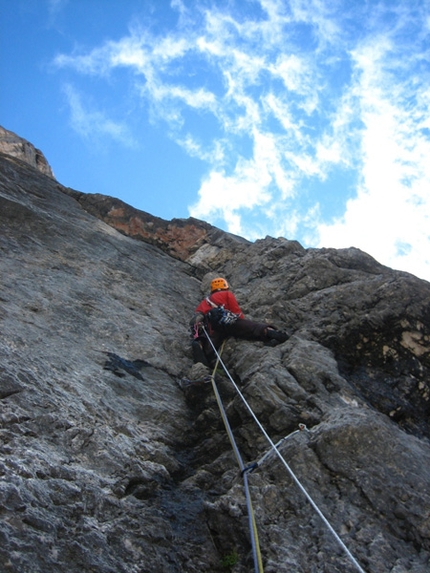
(15, 146)
(107, 462)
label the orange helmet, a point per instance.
(219, 284)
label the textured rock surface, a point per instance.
(180, 238)
(15, 146)
(107, 465)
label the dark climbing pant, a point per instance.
(241, 328)
(247, 329)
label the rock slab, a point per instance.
(108, 464)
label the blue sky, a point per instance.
(307, 119)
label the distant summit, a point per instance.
(12, 144)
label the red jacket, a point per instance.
(221, 298)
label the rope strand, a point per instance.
(283, 461)
(256, 553)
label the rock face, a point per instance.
(180, 238)
(109, 464)
(15, 146)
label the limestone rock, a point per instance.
(107, 464)
(189, 240)
(15, 146)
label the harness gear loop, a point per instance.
(195, 333)
(219, 314)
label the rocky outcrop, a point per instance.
(15, 146)
(180, 238)
(111, 462)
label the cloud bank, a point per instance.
(312, 117)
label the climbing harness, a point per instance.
(195, 331)
(220, 316)
(256, 553)
(274, 448)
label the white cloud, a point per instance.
(293, 71)
(201, 150)
(390, 216)
(249, 185)
(275, 103)
(96, 62)
(322, 16)
(94, 125)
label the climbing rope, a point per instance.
(282, 459)
(302, 428)
(256, 553)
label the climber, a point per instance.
(221, 316)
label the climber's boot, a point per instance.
(198, 354)
(278, 335)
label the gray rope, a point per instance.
(258, 566)
(302, 428)
(290, 471)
